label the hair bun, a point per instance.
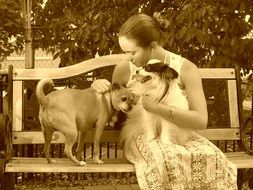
(161, 20)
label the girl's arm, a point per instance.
(120, 75)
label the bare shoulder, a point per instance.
(121, 73)
(189, 72)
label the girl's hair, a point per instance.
(141, 28)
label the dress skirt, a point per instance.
(197, 165)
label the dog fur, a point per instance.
(74, 111)
(161, 87)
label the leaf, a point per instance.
(242, 6)
(3, 6)
(201, 37)
(226, 25)
(108, 23)
(185, 7)
(181, 33)
(201, 13)
(9, 24)
(171, 41)
(93, 27)
(96, 37)
(180, 18)
(191, 32)
(57, 55)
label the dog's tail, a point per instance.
(40, 92)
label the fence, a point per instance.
(41, 60)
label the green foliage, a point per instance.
(209, 33)
(80, 29)
(11, 27)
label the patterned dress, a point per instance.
(197, 165)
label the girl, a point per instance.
(198, 164)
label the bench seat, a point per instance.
(40, 165)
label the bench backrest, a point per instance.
(220, 85)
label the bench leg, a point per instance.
(245, 176)
(7, 181)
(239, 178)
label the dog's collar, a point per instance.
(113, 109)
(110, 102)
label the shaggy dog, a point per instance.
(158, 81)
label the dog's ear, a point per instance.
(168, 73)
(172, 72)
(161, 68)
(117, 86)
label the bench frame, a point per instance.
(11, 124)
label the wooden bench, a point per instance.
(222, 89)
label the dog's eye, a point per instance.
(147, 68)
(123, 98)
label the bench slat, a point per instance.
(233, 103)
(240, 159)
(17, 106)
(217, 73)
(40, 165)
(87, 66)
(221, 133)
(108, 60)
(70, 71)
(36, 137)
(64, 165)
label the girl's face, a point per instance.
(138, 55)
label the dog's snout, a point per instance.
(130, 107)
(137, 72)
(135, 99)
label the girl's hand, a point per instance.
(101, 85)
(148, 103)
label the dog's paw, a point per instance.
(80, 157)
(82, 163)
(98, 161)
(52, 162)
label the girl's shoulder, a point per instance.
(189, 72)
(188, 66)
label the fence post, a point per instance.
(29, 54)
(27, 8)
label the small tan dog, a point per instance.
(74, 111)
